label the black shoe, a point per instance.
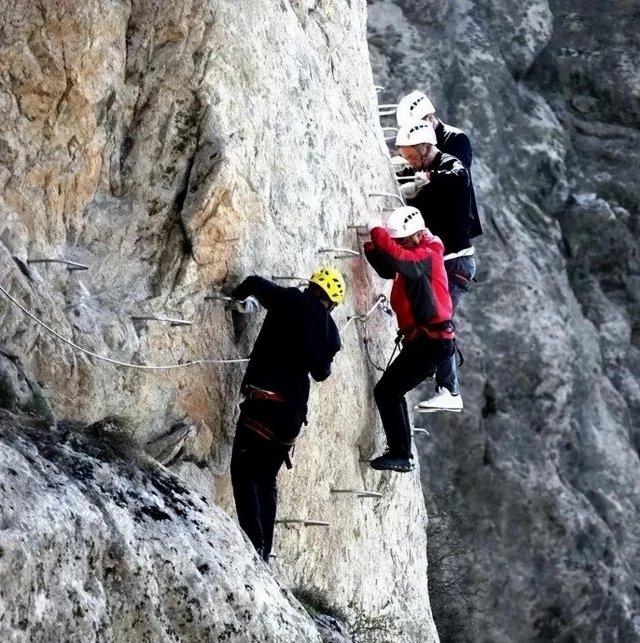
(391, 463)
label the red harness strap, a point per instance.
(442, 330)
(264, 431)
(255, 393)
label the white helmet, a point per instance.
(413, 107)
(415, 134)
(405, 221)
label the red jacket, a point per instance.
(420, 294)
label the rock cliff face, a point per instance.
(174, 148)
(544, 462)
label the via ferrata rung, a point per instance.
(169, 320)
(71, 265)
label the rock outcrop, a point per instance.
(173, 149)
(95, 548)
(543, 465)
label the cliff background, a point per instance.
(537, 484)
(174, 150)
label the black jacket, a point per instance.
(298, 338)
(444, 203)
(453, 141)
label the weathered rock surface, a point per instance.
(94, 548)
(544, 463)
(174, 148)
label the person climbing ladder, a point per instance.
(405, 251)
(298, 338)
(441, 192)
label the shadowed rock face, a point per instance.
(174, 148)
(544, 461)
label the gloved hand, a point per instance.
(248, 305)
(400, 166)
(376, 222)
(422, 178)
(410, 189)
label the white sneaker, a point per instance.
(443, 400)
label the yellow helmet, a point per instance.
(332, 282)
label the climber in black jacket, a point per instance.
(416, 106)
(298, 338)
(441, 191)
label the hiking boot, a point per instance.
(443, 400)
(391, 463)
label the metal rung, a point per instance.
(378, 88)
(355, 226)
(303, 523)
(170, 320)
(218, 297)
(387, 194)
(71, 265)
(389, 106)
(406, 178)
(391, 129)
(388, 113)
(361, 493)
(343, 252)
(420, 431)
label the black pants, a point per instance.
(417, 360)
(255, 463)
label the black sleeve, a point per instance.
(379, 261)
(265, 291)
(454, 176)
(461, 149)
(321, 366)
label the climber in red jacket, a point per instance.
(405, 251)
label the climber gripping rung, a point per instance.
(71, 265)
(303, 523)
(168, 320)
(361, 493)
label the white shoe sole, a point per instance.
(422, 409)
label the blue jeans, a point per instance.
(460, 272)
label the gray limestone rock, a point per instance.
(92, 547)
(174, 148)
(544, 463)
